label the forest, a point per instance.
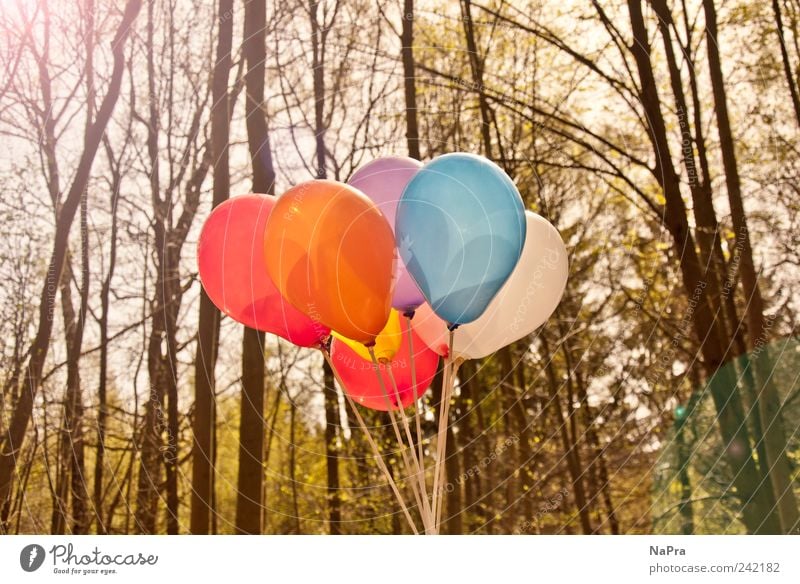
(659, 137)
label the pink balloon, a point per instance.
(427, 324)
(361, 383)
(230, 258)
(383, 180)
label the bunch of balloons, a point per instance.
(403, 264)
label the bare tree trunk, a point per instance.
(476, 65)
(102, 386)
(250, 493)
(149, 480)
(706, 216)
(60, 513)
(273, 411)
(293, 463)
(738, 448)
(80, 494)
(484, 483)
(258, 138)
(572, 457)
(204, 422)
(699, 184)
(319, 34)
(80, 491)
(69, 458)
(409, 84)
(171, 459)
(160, 436)
(249, 512)
(778, 466)
(332, 451)
(707, 230)
(787, 64)
(569, 443)
(515, 449)
(597, 464)
(468, 488)
(14, 436)
(525, 463)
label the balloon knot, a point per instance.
(452, 326)
(325, 344)
(409, 313)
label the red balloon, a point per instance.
(361, 383)
(230, 258)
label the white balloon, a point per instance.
(524, 303)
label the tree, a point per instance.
(659, 397)
(204, 421)
(14, 436)
(409, 85)
(251, 432)
(778, 470)
(185, 171)
(791, 79)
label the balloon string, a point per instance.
(437, 489)
(376, 451)
(447, 392)
(425, 509)
(415, 388)
(437, 461)
(451, 382)
(400, 442)
(438, 474)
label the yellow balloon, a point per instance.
(387, 342)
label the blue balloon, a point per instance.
(460, 229)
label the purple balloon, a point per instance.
(383, 180)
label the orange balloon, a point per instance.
(331, 253)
